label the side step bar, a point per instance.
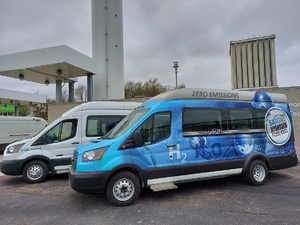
(163, 186)
(62, 171)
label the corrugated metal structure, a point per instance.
(253, 62)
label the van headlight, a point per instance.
(14, 148)
(93, 155)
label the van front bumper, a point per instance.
(88, 182)
(11, 167)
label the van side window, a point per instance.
(240, 119)
(201, 121)
(260, 119)
(100, 125)
(156, 128)
(63, 131)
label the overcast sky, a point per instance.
(196, 33)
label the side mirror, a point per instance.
(40, 141)
(135, 140)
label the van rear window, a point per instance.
(260, 119)
(246, 119)
(240, 120)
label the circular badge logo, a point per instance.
(278, 126)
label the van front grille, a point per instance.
(74, 160)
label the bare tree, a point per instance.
(129, 89)
(80, 93)
(65, 96)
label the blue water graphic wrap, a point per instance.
(262, 100)
(179, 150)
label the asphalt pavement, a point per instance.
(220, 201)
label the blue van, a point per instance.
(187, 135)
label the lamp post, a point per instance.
(175, 66)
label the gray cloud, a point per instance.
(196, 33)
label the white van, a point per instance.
(51, 149)
(14, 128)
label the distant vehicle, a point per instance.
(51, 149)
(187, 135)
(15, 128)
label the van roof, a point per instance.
(21, 118)
(216, 94)
(104, 105)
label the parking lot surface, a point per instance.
(220, 201)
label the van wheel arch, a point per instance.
(136, 171)
(256, 156)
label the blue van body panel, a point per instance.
(110, 159)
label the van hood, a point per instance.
(23, 141)
(97, 143)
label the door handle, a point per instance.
(171, 145)
(75, 143)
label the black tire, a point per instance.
(35, 171)
(257, 173)
(123, 189)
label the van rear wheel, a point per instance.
(257, 173)
(123, 189)
(35, 171)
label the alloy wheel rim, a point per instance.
(123, 189)
(35, 172)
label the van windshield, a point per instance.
(125, 124)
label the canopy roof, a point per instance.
(47, 64)
(8, 97)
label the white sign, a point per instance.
(278, 126)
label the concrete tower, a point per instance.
(107, 49)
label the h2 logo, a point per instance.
(176, 152)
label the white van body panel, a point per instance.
(14, 128)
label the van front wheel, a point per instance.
(35, 171)
(257, 173)
(123, 189)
